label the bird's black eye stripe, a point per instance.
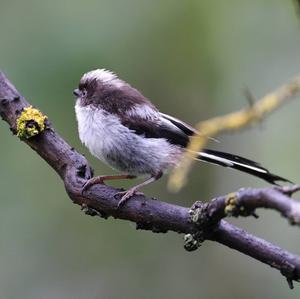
(82, 86)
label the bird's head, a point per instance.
(95, 85)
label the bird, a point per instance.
(124, 129)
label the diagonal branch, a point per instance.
(231, 122)
(151, 214)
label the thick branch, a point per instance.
(147, 213)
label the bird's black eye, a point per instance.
(84, 92)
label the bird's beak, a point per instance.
(76, 92)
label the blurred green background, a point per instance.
(193, 59)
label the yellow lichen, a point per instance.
(30, 123)
(231, 204)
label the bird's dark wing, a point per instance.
(177, 132)
(157, 127)
(184, 127)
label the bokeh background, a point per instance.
(193, 59)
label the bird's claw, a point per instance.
(91, 182)
(126, 195)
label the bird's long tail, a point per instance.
(239, 163)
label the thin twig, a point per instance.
(230, 122)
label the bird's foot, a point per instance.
(91, 182)
(126, 195)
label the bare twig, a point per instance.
(230, 122)
(156, 215)
(245, 202)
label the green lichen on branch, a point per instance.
(191, 242)
(30, 123)
(198, 216)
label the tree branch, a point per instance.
(156, 215)
(245, 201)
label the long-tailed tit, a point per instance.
(124, 129)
